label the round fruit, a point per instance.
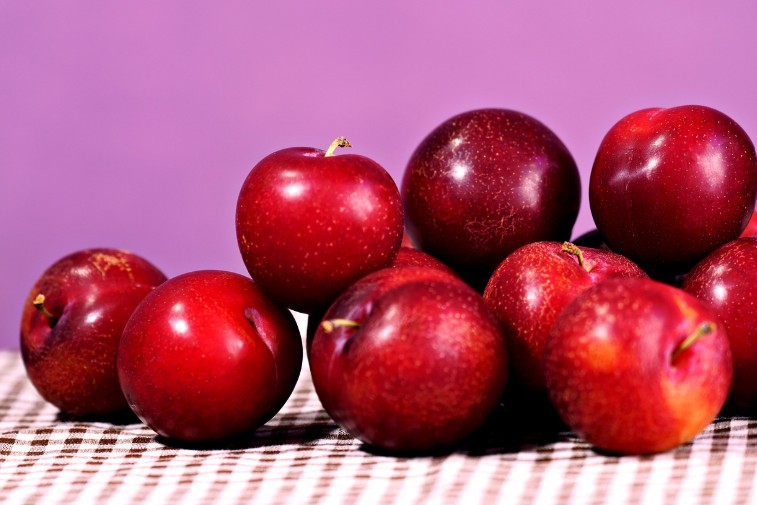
(72, 322)
(727, 281)
(530, 288)
(484, 183)
(669, 186)
(309, 224)
(636, 366)
(207, 356)
(409, 359)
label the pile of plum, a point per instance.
(432, 304)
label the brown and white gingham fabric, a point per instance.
(302, 457)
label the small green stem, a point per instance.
(338, 142)
(703, 329)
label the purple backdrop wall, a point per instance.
(133, 124)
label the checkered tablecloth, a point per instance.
(302, 457)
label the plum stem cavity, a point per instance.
(574, 250)
(702, 330)
(39, 304)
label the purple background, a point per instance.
(133, 124)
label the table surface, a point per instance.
(300, 456)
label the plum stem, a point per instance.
(331, 324)
(575, 251)
(703, 329)
(39, 304)
(338, 142)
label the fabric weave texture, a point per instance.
(300, 456)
